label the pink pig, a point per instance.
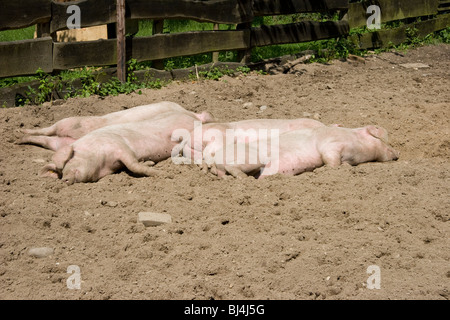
(213, 136)
(66, 131)
(133, 145)
(306, 149)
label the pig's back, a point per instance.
(144, 112)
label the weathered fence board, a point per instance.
(276, 7)
(160, 46)
(216, 11)
(444, 5)
(297, 32)
(16, 14)
(391, 10)
(104, 11)
(26, 56)
(67, 55)
(92, 13)
(188, 43)
(387, 38)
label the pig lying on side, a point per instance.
(66, 131)
(306, 149)
(213, 136)
(132, 145)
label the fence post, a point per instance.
(158, 27)
(215, 55)
(245, 56)
(121, 44)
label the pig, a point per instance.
(212, 136)
(304, 150)
(135, 146)
(66, 131)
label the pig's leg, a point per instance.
(62, 156)
(235, 172)
(331, 158)
(53, 143)
(205, 167)
(217, 172)
(50, 170)
(132, 164)
(48, 131)
(148, 163)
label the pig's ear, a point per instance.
(378, 132)
(51, 171)
(63, 155)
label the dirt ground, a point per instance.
(311, 236)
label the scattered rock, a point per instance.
(415, 66)
(40, 252)
(151, 219)
(356, 59)
(111, 204)
(247, 105)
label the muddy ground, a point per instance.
(312, 236)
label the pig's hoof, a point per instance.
(149, 163)
(51, 171)
(22, 140)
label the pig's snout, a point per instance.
(395, 154)
(70, 177)
(391, 154)
(73, 174)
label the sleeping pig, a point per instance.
(133, 145)
(304, 150)
(66, 131)
(207, 139)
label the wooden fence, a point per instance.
(25, 57)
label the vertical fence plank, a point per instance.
(245, 56)
(121, 44)
(158, 28)
(215, 55)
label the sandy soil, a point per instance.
(312, 236)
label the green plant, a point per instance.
(215, 73)
(444, 35)
(412, 38)
(243, 69)
(47, 85)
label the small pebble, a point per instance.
(150, 219)
(40, 252)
